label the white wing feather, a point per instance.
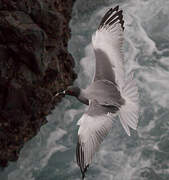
(92, 131)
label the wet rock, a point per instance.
(34, 65)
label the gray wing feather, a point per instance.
(103, 67)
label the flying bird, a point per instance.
(111, 92)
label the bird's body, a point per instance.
(111, 92)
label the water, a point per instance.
(143, 156)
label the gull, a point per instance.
(111, 92)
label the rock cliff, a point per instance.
(34, 65)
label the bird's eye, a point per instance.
(69, 92)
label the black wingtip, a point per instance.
(80, 159)
(116, 8)
(83, 176)
(112, 16)
(85, 170)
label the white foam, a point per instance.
(87, 67)
(50, 151)
(55, 136)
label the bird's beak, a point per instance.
(61, 93)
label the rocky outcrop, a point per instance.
(34, 65)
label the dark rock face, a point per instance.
(34, 65)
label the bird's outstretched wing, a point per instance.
(107, 43)
(95, 124)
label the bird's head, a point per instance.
(71, 90)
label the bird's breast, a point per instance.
(105, 92)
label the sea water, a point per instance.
(143, 156)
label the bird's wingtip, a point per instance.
(85, 170)
(80, 159)
(116, 8)
(111, 17)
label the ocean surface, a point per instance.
(143, 156)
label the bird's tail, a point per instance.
(129, 112)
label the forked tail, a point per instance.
(129, 112)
